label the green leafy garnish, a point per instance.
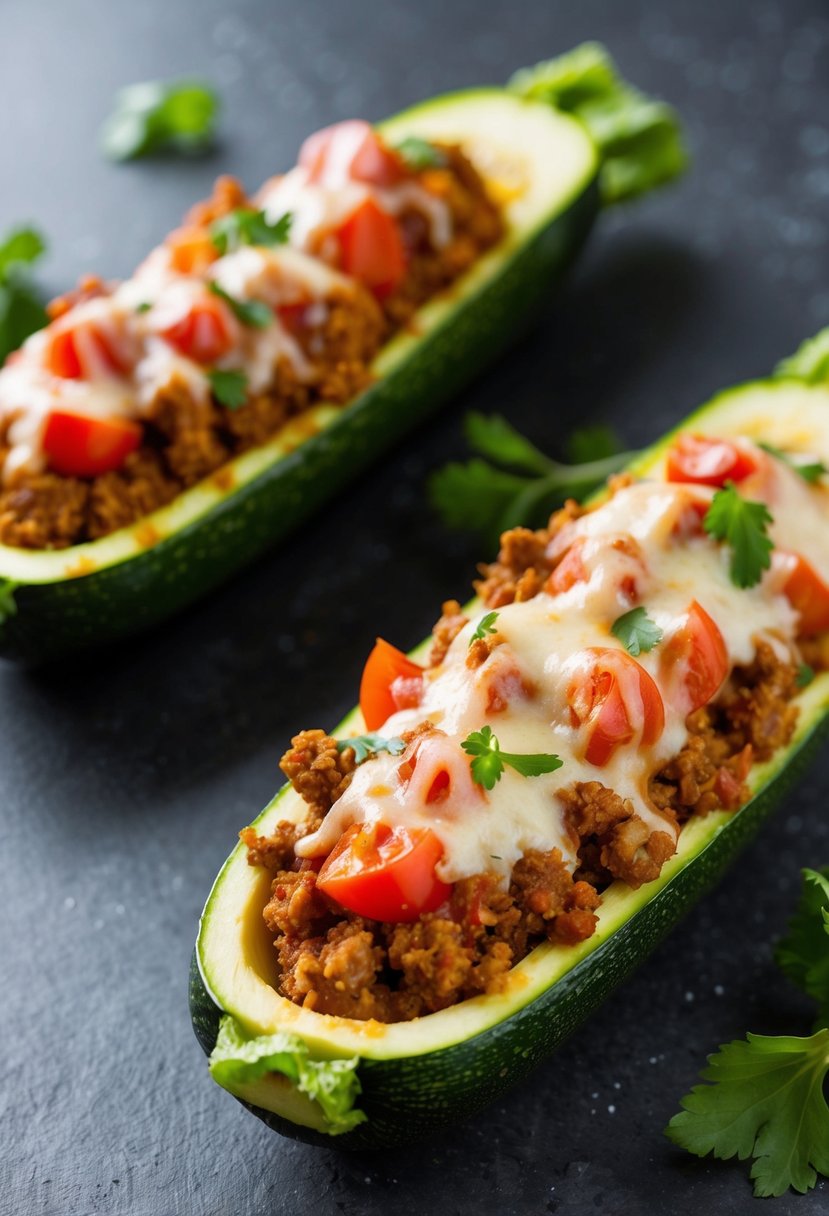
(485, 625)
(8, 606)
(244, 226)
(516, 483)
(638, 138)
(803, 954)
(488, 760)
(810, 470)
(420, 154)
(230, 388)
(636, 631)
(370, 744)
(810, 362)
(254, 313)
(805, 675)
(156, 116)
(765, 1101)
(144, 306)
(238, 1060)
(21, 312)
(743, 525)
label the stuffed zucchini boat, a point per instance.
(160, 432)
(520, 810)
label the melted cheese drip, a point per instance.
(533, 664)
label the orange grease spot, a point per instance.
(147, 535)
(223, 479)
(84, 565)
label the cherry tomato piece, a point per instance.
(384, 667)
(805, 590)
(204, 333)
(694, 659)
(77, 445)
(615, 701)
(707, 462)
(385, 873)
(371, 248)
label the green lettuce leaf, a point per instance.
(810, 362)
(239, 1059)
(638, 137)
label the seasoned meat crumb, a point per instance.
(317, 769)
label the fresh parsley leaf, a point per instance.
(765, 1101)
(803, 954)
(810, 470)
(805, 675)
(488, 760)
(8, 606)
(369, 745)
(475, 496)
(420, 154)
(254, 313)
(592, 443)
(21, 311)
(144, 306)
(636, 631)
(179, 115)
(743, 526)
(230, 388)
(244, 226)
(492, 436)
(485, 625)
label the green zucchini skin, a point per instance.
(53, 619)
(407, 1098)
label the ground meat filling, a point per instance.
(185, 440)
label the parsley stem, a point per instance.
(562, 481)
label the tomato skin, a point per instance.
(205, 332)
(371, 248)
(81, 446)
(384, 667)
(630, 566)
(569, 571)
(694, 659)
(191, 249)
(83, 351)
(350, 151)
(604, 682)
(385, 873)
(805, 590)
(707, 462)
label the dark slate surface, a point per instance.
(123, 782)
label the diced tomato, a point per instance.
(191, 249)
(80, 446)
(569, 571)
(371, 248)
(615, 701)
(708, 462)
(84, 350)
(626, 558)
(384, 667)
(205, 332)
(293, 316)
(385, 873)
(350, 151)
(439, 789)
(805, 590)
(694, 659)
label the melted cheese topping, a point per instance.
(665, 563)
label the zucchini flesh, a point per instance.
(547, 165)
(419, 1076)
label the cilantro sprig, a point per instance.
(636, 631)
(486, 625)
(21, 312)
(253, 313)
(229, 387)
(245, 226)
(510, 481)
(743, 525)
(156, 116)
(420, 154)
(370, 744)
(809, 470)
(766, 1094)
(488, 761)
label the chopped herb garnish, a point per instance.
(809, 470)
(369, 745)
(158, 116)
(485, 625)
(144, 306)
(420, 154)
(254, 313)
(230, 388)
(488, 760)
(244, 226)
(636, 631)
(21, 312)
(805, 675)
(743, 525)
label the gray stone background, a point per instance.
(123, 779)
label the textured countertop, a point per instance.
(123, 780)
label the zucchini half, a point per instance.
(416, 1077)
(544, 165)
